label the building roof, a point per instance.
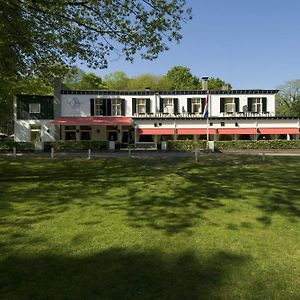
(149, 92)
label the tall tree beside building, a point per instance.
(288, 99)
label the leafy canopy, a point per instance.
(288, 99)
(39, 36)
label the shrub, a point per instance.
(186, 145)
(262, 144)
(76, 145)
(7, 146)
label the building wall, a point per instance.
(79, 105)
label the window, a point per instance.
(168, 106)
(70, 132)
(116, 107)
(196, 106)
(141, 106)
(257, 105)
(35, 133)
(34, 108)
(229, 105)
(99, 107)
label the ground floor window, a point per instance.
(112, 135)
(35, 133)
(70, 133)
(85, 133)
(146, 138)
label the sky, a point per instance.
(252, 44)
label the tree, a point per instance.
(77, 79)
(37, 35)
(116, 81)
(218, 84)
(181, 78)
(288, 99)
(152, 81)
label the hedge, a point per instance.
(188, 145)
(76, 145)
(6, 146)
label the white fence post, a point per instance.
(14, 152)
(89, 154)
(52, 152)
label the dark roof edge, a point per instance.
(146, 92)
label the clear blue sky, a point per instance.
(248, 43)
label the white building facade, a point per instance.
(146, 116)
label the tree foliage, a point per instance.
(37, 37)
(218, 84)
(116, 81)
(77, 79)
(181, 78)
(288, 99)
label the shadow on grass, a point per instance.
(120, 274)
(165, 194)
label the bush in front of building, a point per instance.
(262, 144)
(75, 145)
(188, 145)
(7, 146)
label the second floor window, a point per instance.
(196, 106)
(141, 106)
(99, 111)
(168, 107)
(34, 108)
(116, 107)
(229, 105)
(257, 105)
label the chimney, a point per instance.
(204, 83)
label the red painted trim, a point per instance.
(92, 121)
(200, 131)
(279, 130)
(237, 131)
(157, 131)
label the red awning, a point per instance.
(237, 131)
(279, 130)
(157, 131)
(92, 121)
(200, 131)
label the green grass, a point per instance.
(221, 228)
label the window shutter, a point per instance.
(92, 101)
(202, 104)
(249, 104)
(222, 104)
(133, 106)
(237, 104)
(123, 112)
(108, 107)
(148, 110)
(175, 105)
(104, 107)
(161, 105)
(189, 105)
(264, 104)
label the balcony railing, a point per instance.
(199, 115)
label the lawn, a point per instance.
(129, 228)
